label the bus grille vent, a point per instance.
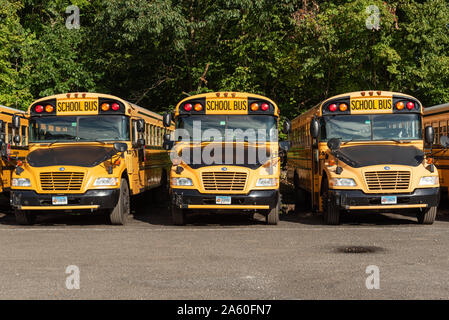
(224, 181)
(61, 181)
(391, 180)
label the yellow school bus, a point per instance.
(225, 155)
(363, 151)
(13, 143)
(88, 152)
(438, 117)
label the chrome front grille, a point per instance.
(61, 181)
(387, 180)
(224, 181)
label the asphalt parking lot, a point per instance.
(224, 256)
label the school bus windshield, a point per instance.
(79, 128)
(252, 128)
(371, 127)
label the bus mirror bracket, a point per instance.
(167, 144)
(167, 119)
(140, 143)
(284, 146)
(141, 125)
(334, 145)
(120, 147)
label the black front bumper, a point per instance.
(105, 199)
(182, 198)
(353, 198)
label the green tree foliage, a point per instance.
(297, 52)
(12, 41)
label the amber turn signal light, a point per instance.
(343, 107)
(254, 106)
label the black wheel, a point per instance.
(331, 213)
(24, 217)
(273, 214)
(178, 216)
(120, 213)
(427, 215)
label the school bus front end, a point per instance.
(369, 148)
(225, 157)
(78, 158)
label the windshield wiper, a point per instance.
(345, 142)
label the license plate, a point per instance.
(59, 200)
(389, 200)
(223, 200)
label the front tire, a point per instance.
(273, 214)
(427, 215)
(24, 217)
(331, 212)
(119, 214)
(178, 216)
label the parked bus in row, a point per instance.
(225, 155)
(13, 143)
(438, 118)
(88, 152)
(364, 151)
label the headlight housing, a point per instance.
(21, 182)
(266, 182)
(342, 182)
(182, 182)
(101, 182)
(428, 181)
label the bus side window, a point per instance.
(442, 129)
(24, 136)
(134, 131)
(147, 131)
(158, 136)
(152, 135)
(435, 129)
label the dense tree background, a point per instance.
(159, 51)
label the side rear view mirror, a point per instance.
(120, 147)
(444, 141)
(167, 119)
(2, 126)
(284, 146)
(334, 144)
(429, 135)
(16, 139)
(16, 121)
(287, 127)
(167, 137)
(314, 128)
